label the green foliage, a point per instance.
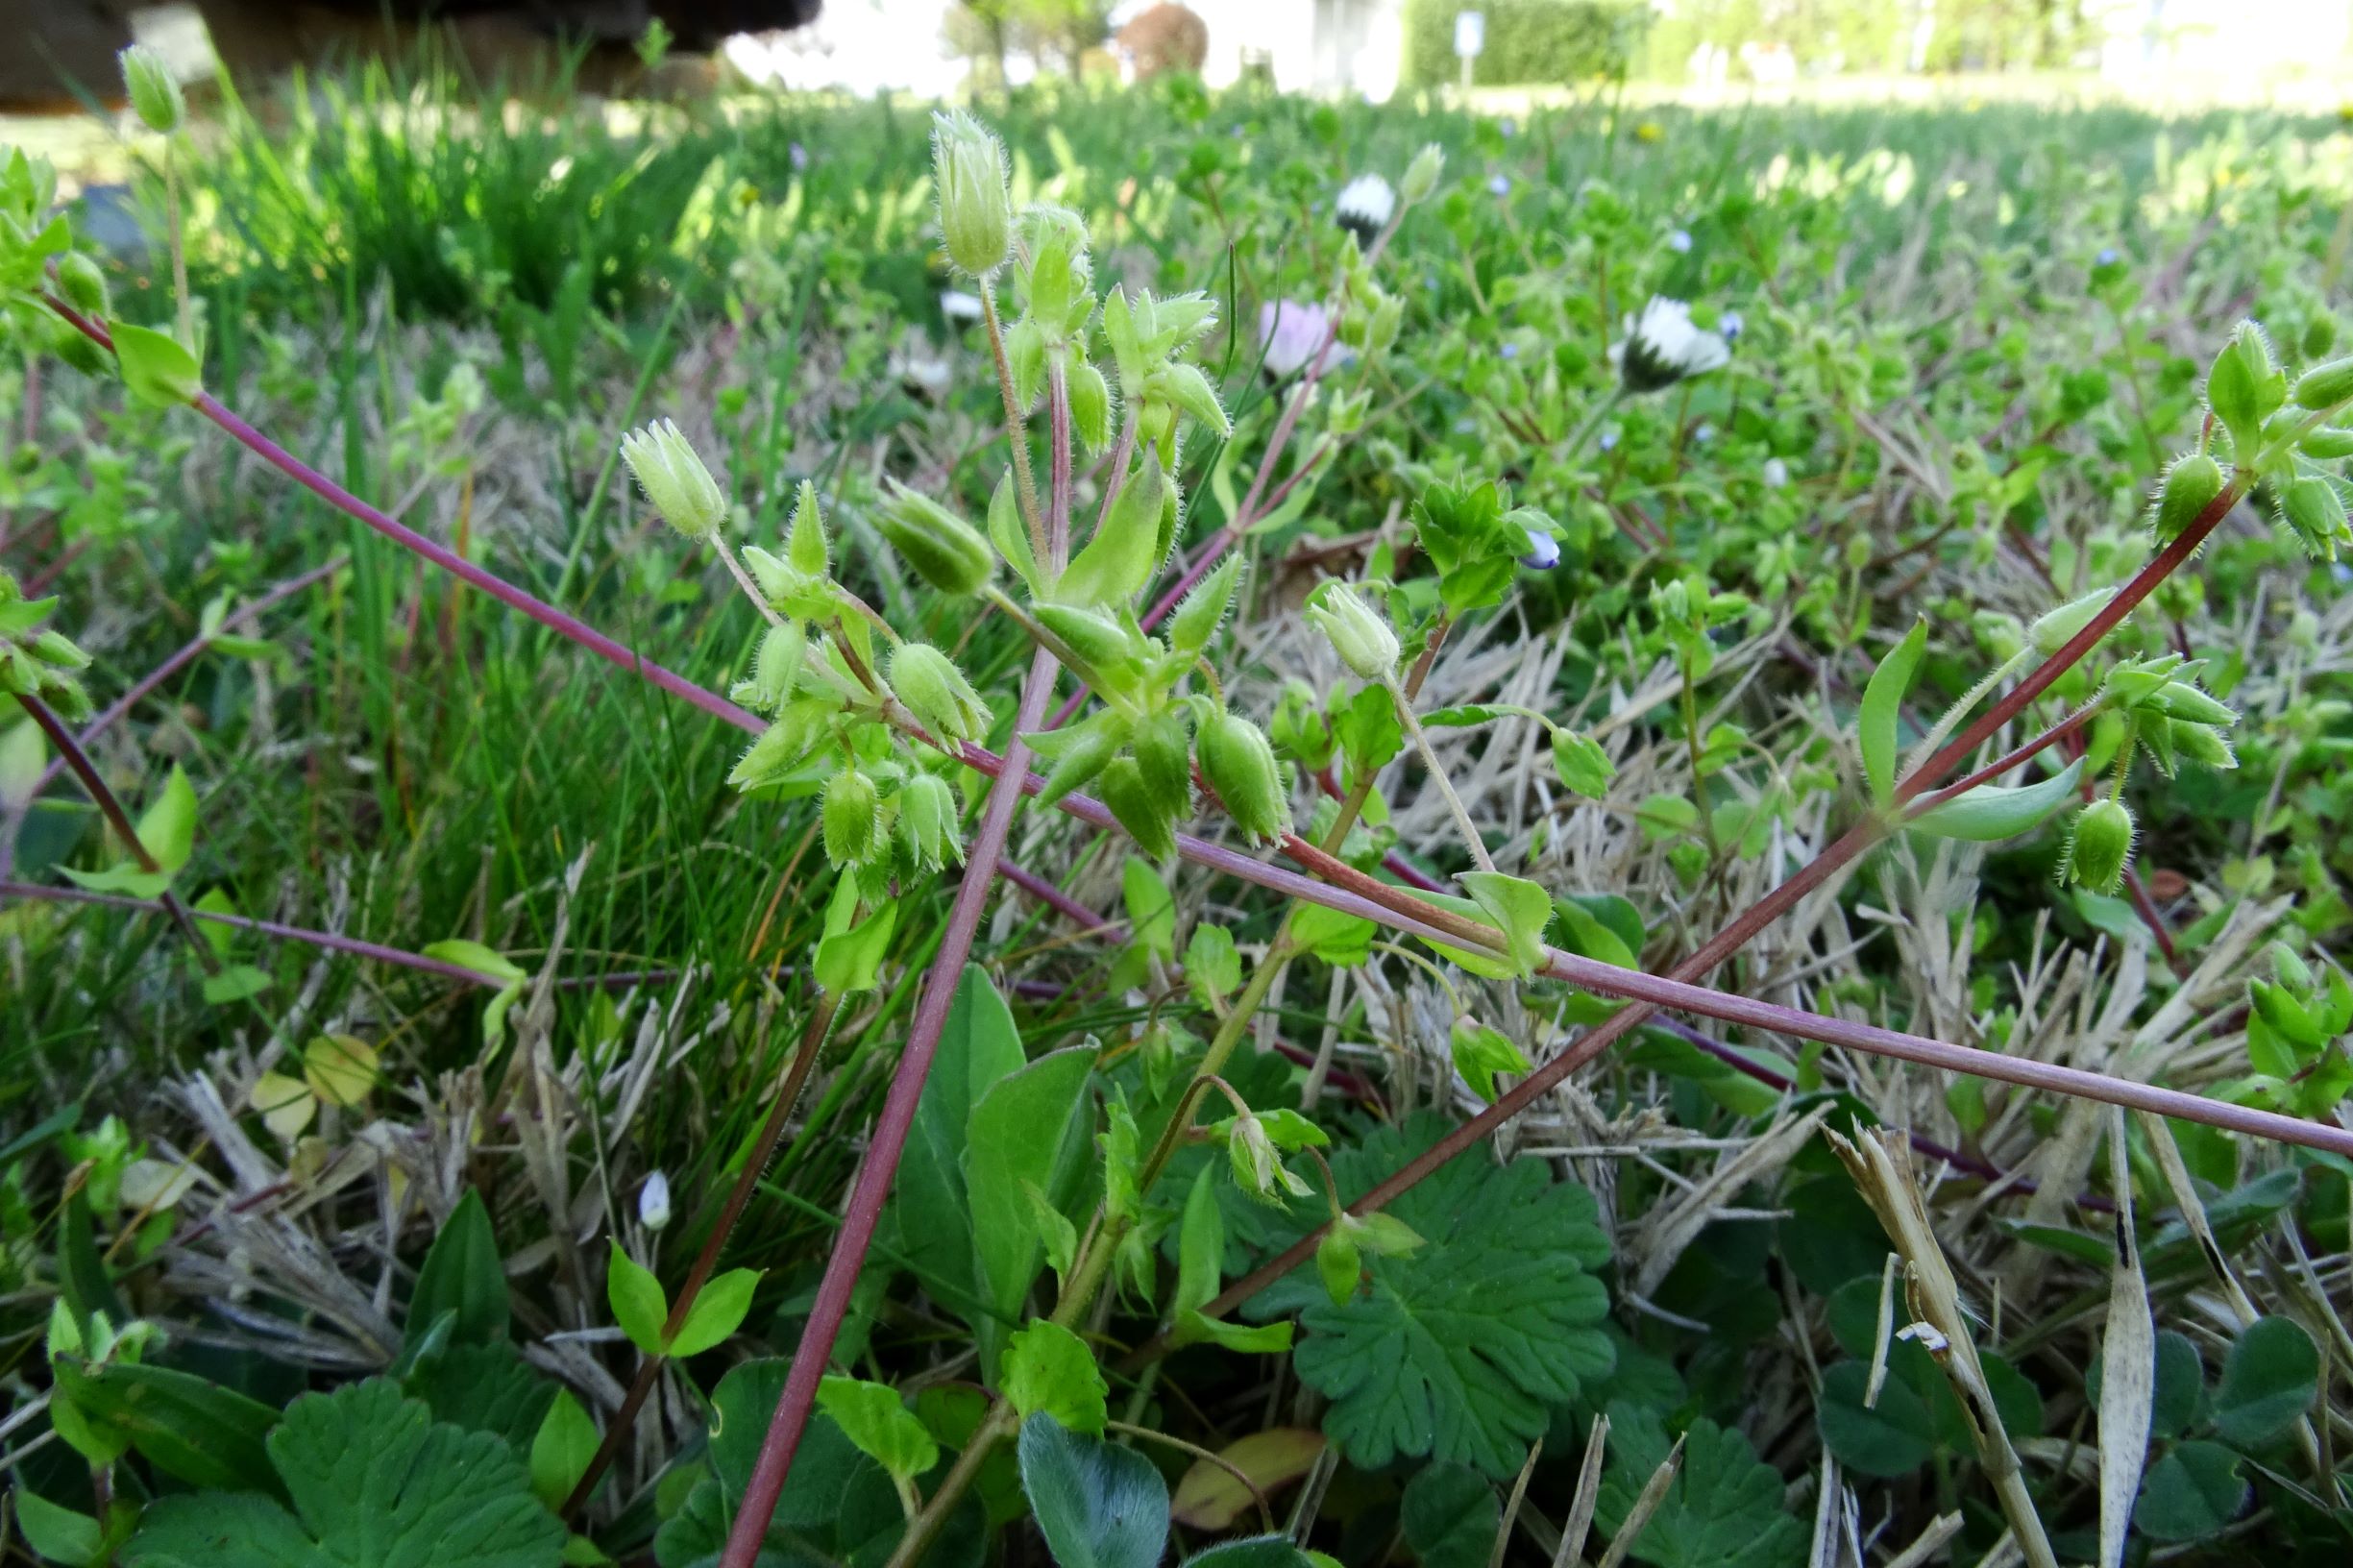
(1722, 1510)
(1098, 1505)
(1458, 1348)
(463, 1277)
(372, 1478)
(1527, 41)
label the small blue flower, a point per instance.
(799, 155)
(1728, 326)
(1678, 241)
(1510, 351)
(1508, 125)
(2106, 256)
(1543, 552)
(1500, 184)
(1703, 433)
(1465, 424)
(1608, 441)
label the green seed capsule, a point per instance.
(1360, 637)
(852, 818)
(941, 548)
(1122, 788)
(1163, 756)
(83, 284)
(1340, 1264)
(154, 91)
(976, 210)
(2325, 386)
(935, 690)
(2314, 512)
(2055, 628)
(2098, 846)
(928, 822)
(1241, 766)
(2191, 486)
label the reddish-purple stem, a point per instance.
(880, 1166)
(189, 651)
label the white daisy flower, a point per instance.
(653, 1202)
(1774, 473)
(1662, 347)
(1365, 206)
(1289, 333)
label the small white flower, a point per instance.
(1678, 241)
(958, 306)
(1365, 206)
(1774, 473)
(1291, 332)
(1662, 347)
(1543, 551)
(653, 1202)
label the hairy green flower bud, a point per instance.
(782, 745)
(975, 211)
(2206, 745)
(1340, 1264)
(775, 670)
(852, 818)
(935, 690)
(1100, 643)
(1198, 614)
(83, 284)
(941, 548)
(2314, 513)
(2293, 971)
(2327, 444)
(2191, 486)
(675, 480)
(1164, 759)
(1241, 766)
(1133, 806)
(2054, 629)
(1360, 637)
(154, 91)
(1422, 174)
(804, 537)
(1078, 753)
(1090, 413)
(2325, 386)
(2098, 846)
(2244, 386)
(928, 822)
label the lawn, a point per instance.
(1686, 902)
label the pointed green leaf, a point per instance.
(1991, 812)
(1882, 709)
(719, 1310)
(638, 1302)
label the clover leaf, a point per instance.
(1460, 1349)
(374, 1480)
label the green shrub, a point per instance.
(1528, 41)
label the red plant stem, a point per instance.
(326, 939)
(2008, 760)
(79, 760)
(138, 690)
(755, 1164)
(889, 1140)
(1061, 902)
(2022, 1186)
(457, 565)
(1743, 928)
(1607, 979)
